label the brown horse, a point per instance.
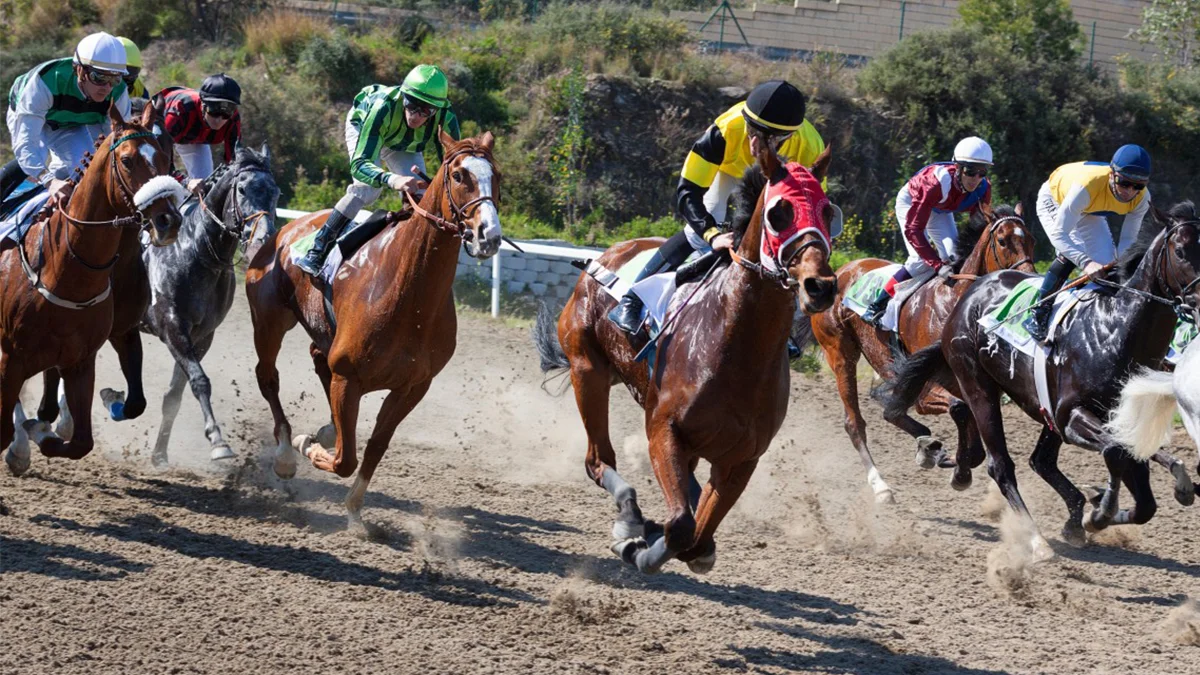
(56, 302)
(392, 306)
(997, 240)
(720, 385)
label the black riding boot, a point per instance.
(326, 237)
(10, 177)
(628, 312)
(877, 308)
(1038, 323)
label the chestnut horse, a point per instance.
(995, 240)
(720, 385)
(392, 306)
(56, 299)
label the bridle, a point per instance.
(780, 276)
(240, 219)
(1182, 308)
(994, 246)
(458, 214)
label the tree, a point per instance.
(1043, 30)
(1172, 26)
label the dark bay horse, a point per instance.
(393, 310)
(57, 288)
(194, 281)
(720, 387)
(994, 240)
(1097, 347)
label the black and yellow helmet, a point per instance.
(775, 107)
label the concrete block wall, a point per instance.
(866, 28)
(542, 277)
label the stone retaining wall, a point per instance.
(546, 278)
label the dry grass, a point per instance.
(281, 33)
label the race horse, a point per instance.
(392, 308)
(720, 383)
(194, 281)
(131, 294)
(994, 240)
(57, 287)
(1113, 334)
(1142, 420)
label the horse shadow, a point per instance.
(844, 655)
(1114, 555)
(981, 531)
(151, 530)
(36, 557)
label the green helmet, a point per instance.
(427, 83)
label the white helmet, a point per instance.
(974, 150)
(102, 52)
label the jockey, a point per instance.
(197, 119)
(772, 114)
(392, 124)
(133, 66)
(925, 209)
(1072, 206)
(57, 111)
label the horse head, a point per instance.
(471, 191)
(1179, 269)
(997, 239)
(253, 194)
(139, 174)
(798, 225)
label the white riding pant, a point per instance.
(359, 194)
(197, 159)
(1091, 234)
(941, 230)
(716, 202)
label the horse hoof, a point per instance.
(1093, 522)
(1185, 490)
(158, 459)
(326, 436)
(627, 550)
(929, 451)
(39, 432)
(884, 497)
(221, 452)
(703, 564)
(622, 530)
(302, 443)
(1074, 534)
(1040, 549)
(17, 464)
(961, 483)
(654, 532)
(114, 403)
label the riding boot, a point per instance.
(10, 177)
(1038, 322)
(326, 237)
(628, 312)
(877, 308)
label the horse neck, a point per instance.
(207, 235)
(96, 198)
(976, 262)
(1146, 326)
(425, 257)
(754, 307)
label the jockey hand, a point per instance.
(722, 242)
(60, 191)
(1093, 269)
(945, 271)
(410, 184)
(194, 184)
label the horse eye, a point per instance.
(456, 175)
(1004, 241)
(127, 161)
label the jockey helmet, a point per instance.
(133, 55)
(774, 107)
(1132, 161)
(426, 83)
(221, 87)
(101, 51)
(973, 150)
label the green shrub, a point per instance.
(337, 64)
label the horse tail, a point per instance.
(802, 330)
(1143, 418)
(545, 338)
(909, 377)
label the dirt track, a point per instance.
(496, 550)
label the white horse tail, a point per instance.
(1143, 419)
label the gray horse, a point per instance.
(194, 280)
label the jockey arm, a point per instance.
(28, 129)
(1132, 224)
(926, 191)
(364, 164)
(1070, 212)
(699, 171)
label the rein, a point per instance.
(779, 276)
(458, 213)
(993, 250)
(1179, 303)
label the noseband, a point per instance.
(458, 214)
(779, 276)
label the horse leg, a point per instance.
(592, 383)
(170, 409)
(724, 488)
(679, 530)
(326, 435)
(397, 406)
(129, 354)
(187, 355)
(983, 396)
(270, 325)
(344, 398)
(50, 406)
(843, 359)
(1136, 476)
(1185, 489)
(1087, 431)
(1044, 462)
(930, 452)
(16, 454)
(79, 384)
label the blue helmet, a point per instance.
(1132, 161)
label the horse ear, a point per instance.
(769, 162)
(488, 140)
(1020, 210)
(820, 167)
(446, 139)
(988, 214)
(114, 116)
(265, 153)
(147, 116)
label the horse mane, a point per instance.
(745, 200)
(1151, 228)
(970, 235)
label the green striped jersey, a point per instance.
(68, 107)
(378, 114)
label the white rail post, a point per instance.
(496, 284)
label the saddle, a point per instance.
(865, 289)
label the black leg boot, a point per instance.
(10, 177)
(1038, 323)
(877, 308)
(628, 312)
(330, 231)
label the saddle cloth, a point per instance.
(867, 287)
(1185, 332)
(28, 200)
(364, 227)
(656, 291)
